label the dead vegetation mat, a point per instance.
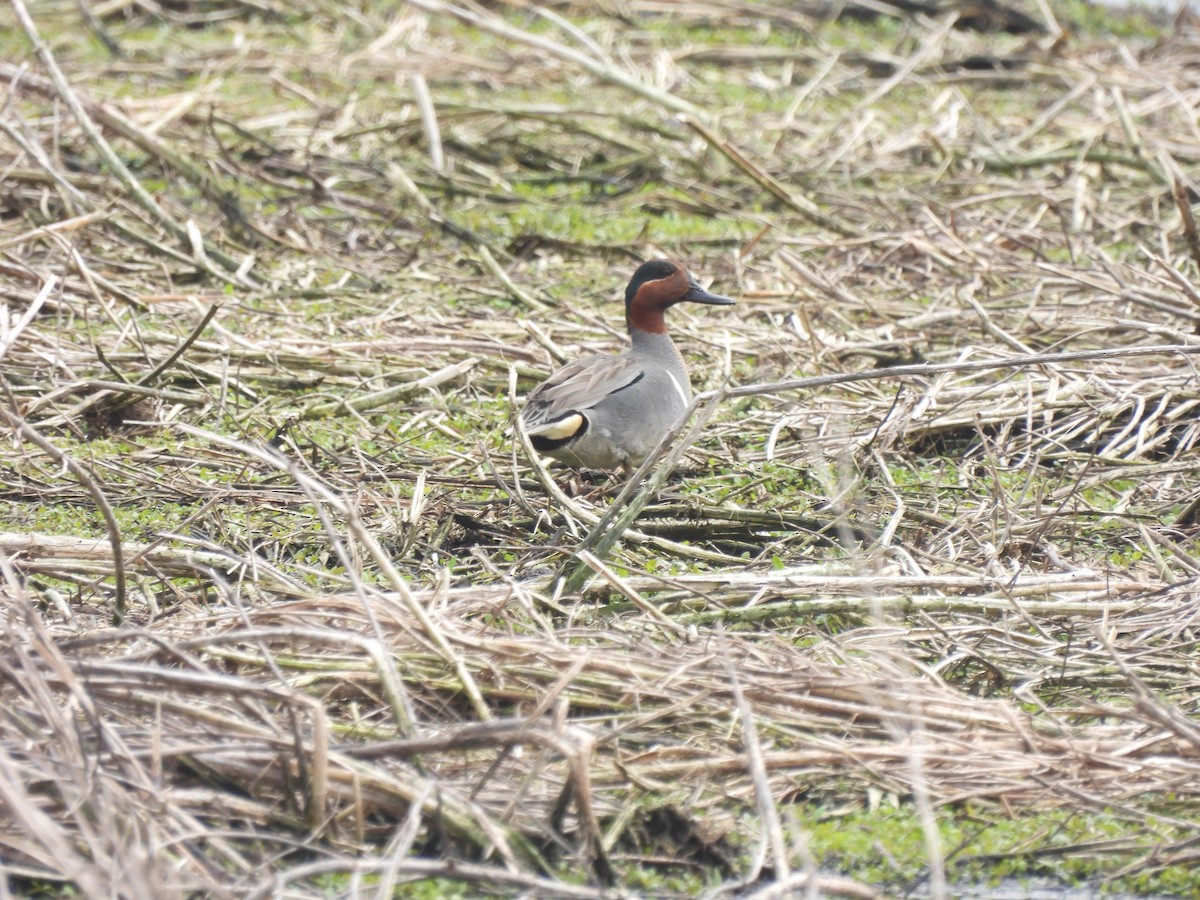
(285, 613)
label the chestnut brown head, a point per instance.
(658, 285)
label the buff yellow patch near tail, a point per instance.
(559, 430)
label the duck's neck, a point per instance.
(662, 350)
(642, 317)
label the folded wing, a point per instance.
(556, 405)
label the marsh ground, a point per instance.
(285, 610)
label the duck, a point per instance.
(608, 412)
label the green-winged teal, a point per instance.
(607, 411)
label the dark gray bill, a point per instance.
(698, 294)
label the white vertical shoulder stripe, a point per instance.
(678, 389)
